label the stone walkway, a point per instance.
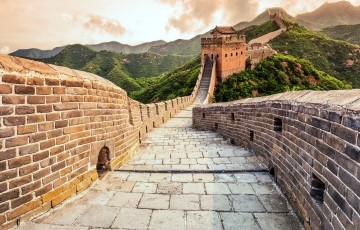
(179, 179)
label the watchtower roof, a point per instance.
(224, 30)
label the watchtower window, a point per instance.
(217, 55)
(225, 55)
(216, 126)
(277, 124)
(241, 53)
(233, 116)
(103, 163)
(212, 56)
(236, 53)
(203, 115)
(231, 54)
(317, 190)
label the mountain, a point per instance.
(276, 74)
(337, 58)
(109, 46)
(349, 33)
(332, 14)
(122, 69)
(124, 48)
(37, 53)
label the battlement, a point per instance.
(222, 40)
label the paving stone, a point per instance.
(96, 197)
(193, 188)
(246, 203)
(217, 188)
(144, 187)
(240, 188)
(198, 167)
(195, 155)
(97, 216)
(171, 161)
(154, 201)
(274, 203)
(204, 220)
(221, 160)
(123, 186)
(238, 160)
(264, 188)
(246, 177)
(167, 219)
(130, 218)
(215, 203)
(180, 167)
(203, 177)
(235, 221)
(160, 177)
(153, 162)
(224, 178)
(185, 202)
(126, 200)
(188, 161)
(181, 178)
(277, 221)
(143, 177)
(66, 215)
(205, 161)
(170, 188)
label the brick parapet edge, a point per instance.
(318, 145)
(53, 123)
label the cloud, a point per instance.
(4, 50)
(197, 14)
(96, 22)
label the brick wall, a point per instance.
(53, 123)
(309, 141)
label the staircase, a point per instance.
(205, 81)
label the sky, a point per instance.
(46, 24)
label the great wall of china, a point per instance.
(54, 121)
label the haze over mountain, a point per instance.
(332, 14)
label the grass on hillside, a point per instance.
(253, 32)
(338, 58)
(276, 74)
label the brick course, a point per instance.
(319, 137)
(53, 123)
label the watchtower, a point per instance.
(227, 48)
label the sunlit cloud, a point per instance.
(4, 50)
(96, 22)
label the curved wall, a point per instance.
(311, 144)
(53, 123)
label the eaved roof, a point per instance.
(224, 30)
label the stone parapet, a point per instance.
(310, 142)
(53, 123)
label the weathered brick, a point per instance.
(52, 82)
(72, 98)
(19, 161)
(80, 135)
(6, 132)
(35, 81)
(59, 182)
(59, 90)
(48, 161)
(353, 152)
(66, 106)
(350, 181)
(51, 178)
(21, 200)
(66, 194)
(21, 89)
(13, 79)
(29, 188)
(16, 141)
(43, 190)
(36, 137)
(56, 150)
(352, 123)
(58, 166)
(19, 181)
(27, 169)
(61, 124)
(20, 110)
(47, 144)
(43, 90)
(69, 83)
(8, 174)
(74, 129)
(35, 118)
(320, 123)
(3, 208)
(23, 209)
(54, 133)
(36, 99)
(52, 99)
(13, 99)
(44, 108)
(28, 149)
(26, 129)
(52, 116)
(6, 110)
(5, 89)
(41, 173)
(9, 195)
(344, 133)
(46, 126)
(14, 121)
(7, 154)
(41, 155)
